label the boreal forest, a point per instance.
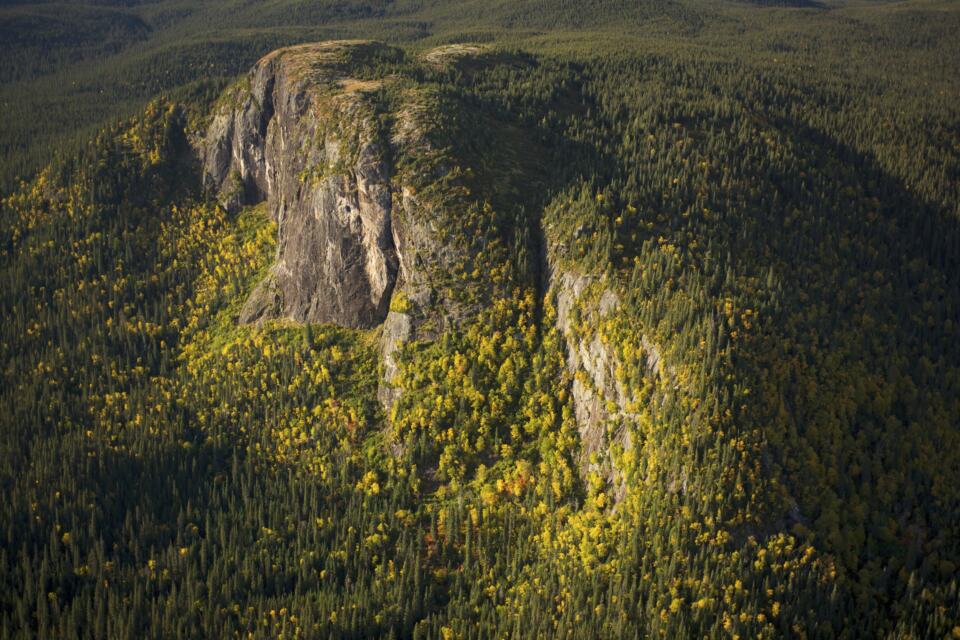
(482, 319)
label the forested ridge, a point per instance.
(760, 245)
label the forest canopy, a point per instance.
(686, 363)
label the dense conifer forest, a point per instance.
(759, 203)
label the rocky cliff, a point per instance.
(305, 137)
(603, 403)
(361, 171)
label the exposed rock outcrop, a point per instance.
(265, 301)
(397, 330)
(351, 177)
(592, 366)
(601, 402)
(301, 135)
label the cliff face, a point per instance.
(596, 394)
(368, 202)
(603, 404)
(306, 139)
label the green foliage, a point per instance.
(780, 240)
(82, 65)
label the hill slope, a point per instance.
(82, 65)
(467, 342)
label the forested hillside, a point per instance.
(498, 329)
(69, 68)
